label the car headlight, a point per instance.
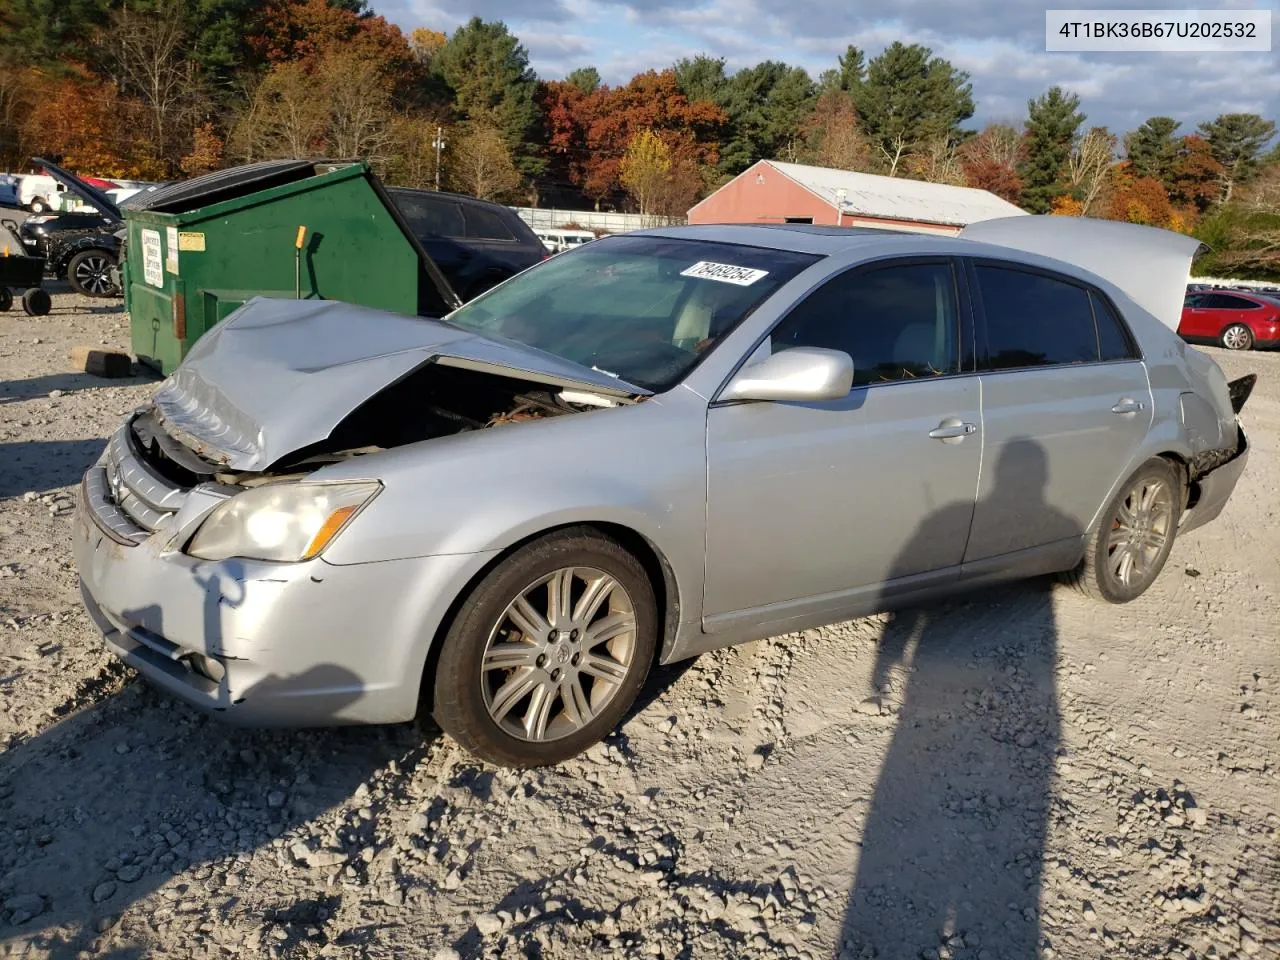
(281, 521)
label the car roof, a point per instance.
(448, 195)
(827, 240)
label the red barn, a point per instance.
(771, 191)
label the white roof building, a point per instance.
(771, 191)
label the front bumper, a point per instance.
(1215, 488)
(307, 644)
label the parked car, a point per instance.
(476, 244)
(665, 443)
(558, 240)
(38, 192)
(9, 191)
(81, 248)
(1235, 320)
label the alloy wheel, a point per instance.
(559, 654)
(93, 274)
(1141, 529)
(1236, 338)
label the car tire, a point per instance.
(6, 299)
(1237, 337)
(38, 205)
(36, 302)
(89, 273)
(522, 690)
(1128, 548)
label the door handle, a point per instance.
(1128, 406)
(952, 430)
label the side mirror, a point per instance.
(800, 375)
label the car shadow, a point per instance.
(38, 466)
(951, 856)
(119, 799)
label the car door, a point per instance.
(1195, 317)
(1065, 401)
(438, 224)
(811, 507)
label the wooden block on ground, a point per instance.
(101, 363)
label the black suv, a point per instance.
(81, 248)
(475, 243)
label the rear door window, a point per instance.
(485, 224)
(431, 216)
(1034, 320)
(1114, 342)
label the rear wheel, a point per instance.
(6, 298)
(548, 652)
(1128, 548)
(89, 273)
(1237, 337)
(38, 205)
(36, 302)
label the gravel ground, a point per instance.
(1016, 774)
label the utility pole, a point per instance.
(438, 143)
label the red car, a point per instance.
(1237, 321)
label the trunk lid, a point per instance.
(280, 375)
(1152, 266)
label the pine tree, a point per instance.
(1153, 150)
(1236, 140)
(1053, 121)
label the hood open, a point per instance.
(90, 195)
(1152, 266)
(280, 375)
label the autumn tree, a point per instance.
(990, 161)
(832, 135)
(653, 101)
(936, 161)
(358, 98)
(488, 71)
(284, 118)
(411, 152)
(480, 163)
(1053, 120)
(306, 31)
(644, 169)
(146, 53)
(1196, 175)
(206, 152)
(1236, 141)
(1089, 165)
(1138, 199)
(426, 45)
(911, 99)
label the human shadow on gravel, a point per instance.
(42, 465)
(951, 854)
(138, 792)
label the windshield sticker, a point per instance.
(724, 273)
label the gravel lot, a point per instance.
(1019, 773)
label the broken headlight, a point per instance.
(280, 521)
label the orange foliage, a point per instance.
(1140, 200)
(1067, 206)
(206, 151)
(304, 31)
(92, 129)
(651, 101)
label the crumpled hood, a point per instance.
(279, 375)
(1152, 266)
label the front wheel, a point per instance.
(38, 205)
(1237, 337)
(1128, 548)
(548, 652)
(90, 274)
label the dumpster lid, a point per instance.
(90, 195)
(280, 375)
(220, 185)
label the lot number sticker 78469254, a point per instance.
(724, 272)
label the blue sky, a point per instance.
(999, 42)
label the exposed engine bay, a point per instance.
(432, 401)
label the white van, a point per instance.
(558, 241)
(39, 193)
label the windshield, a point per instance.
(641, 308)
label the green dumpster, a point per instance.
(196, 250)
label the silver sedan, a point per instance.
(651, 447)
